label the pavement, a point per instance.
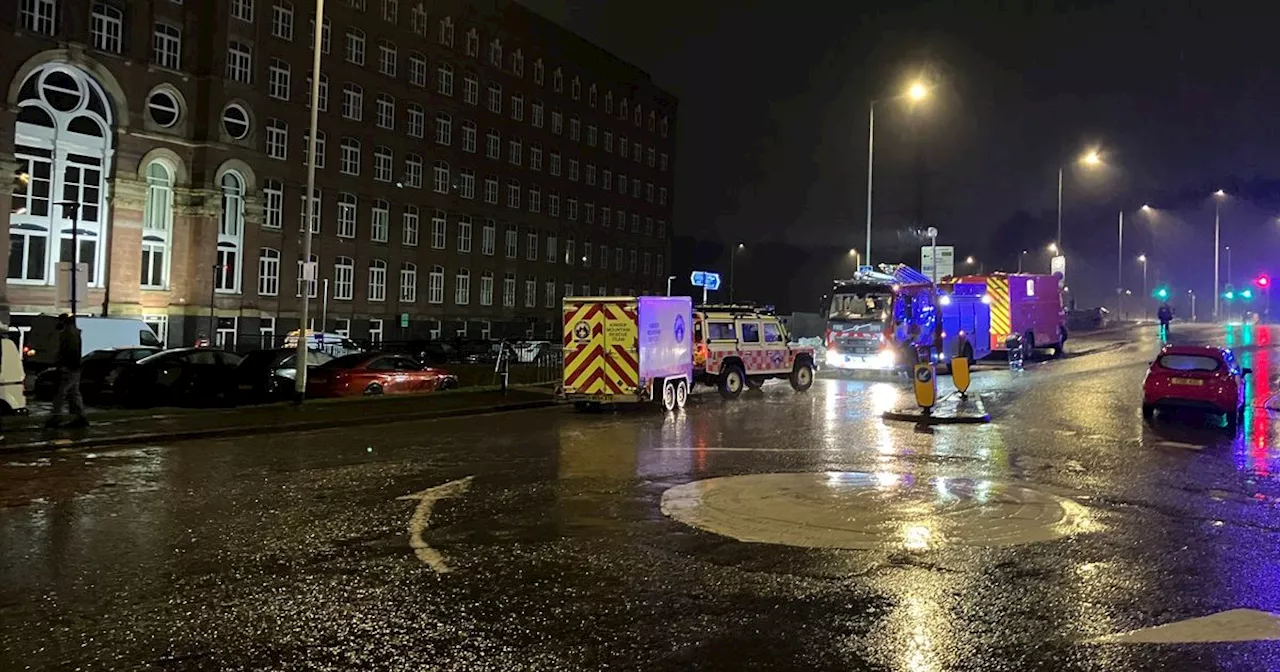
(781, 531)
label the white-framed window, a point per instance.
(445, 34)
(557, 81)
(509, 290)
(157, 226)
(439, 229)
(554, 164)
(377, 280)
(608, 142)
(409, 224)
(344, 279)
(631, 260)
(635, 187)
(418, 19)
(591, 174)
(277, 139)
(375, 324)
(472, 46)
(662, 229)
(664, 126)
(589, 212)
(282, 20)
(531, 245)
(38, 16)
(235, 121)
(268, 272)
(488, 237)
(239, 62)
(464, 233)
(495, 98)
(355, 46)
(416, 121)
(603, 256)
(570, 254)
(272, 204)
(573, 170)
(470, 90)
(347, 215)
(106, 27)
(538, 71)
(606, 180)
(444, 129)
(531, 292)
(592, 96)
(313, 284)
(380, 221)
(575, 128)
(408, 282)
(551, 249)
(326, 33)
(491, 189)
(316, 200)
(440, 177)
(349, 159)
(435, 285)
(352, 101)
(657, 266)
(535, 199)
(386, 111)
(389, 10)
(324, 93)
(230, 234)
(492, 145)
(515, 153)
(517, 63)
(549, 294)
(571, 206)
(647, 266)
(517, 107)
(417, 69)
(486, 288)
(617, 258)
(444, 79)
(512, 241)
(591, 135)
(469, 134)
(495, 53)
(166, 46)
(649, 155)
(462, 287)
(648, 226)
(557, 123)
(513, 194)
(537, 111)
(467, 183)
(535, 156)
(242, 10)
(387, 58)
(163, 108)
(413, 171)
(622, 219)
(278, 76)
(637, 149)
(575, 88)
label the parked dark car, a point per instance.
(99, 371)
(268, 375)
(181, 377)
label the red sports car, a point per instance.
(374, 374)
(1198, 377)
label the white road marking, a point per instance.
(721, 449)
(1236, 625)
(422, 515)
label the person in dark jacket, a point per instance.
(68, 363)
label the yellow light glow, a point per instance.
(918, 92)
(1091, 159)
(916, 537)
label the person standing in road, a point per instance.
(68, 363)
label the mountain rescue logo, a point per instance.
(679, 329)
(582, 331)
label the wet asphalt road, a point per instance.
(537, 540)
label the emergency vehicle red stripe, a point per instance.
(571, 355)
(626, 357)
(586, 361)
(613, 387)
(586, 385)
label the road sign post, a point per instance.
(707, 280)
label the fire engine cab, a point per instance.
(738, 347)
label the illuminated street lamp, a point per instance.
(733, 257)
(916, 92)
(1219, 195)
(1142, 259)
(1090, 159)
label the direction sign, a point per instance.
(705, 279)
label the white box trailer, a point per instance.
(627, 349)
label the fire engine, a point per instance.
(1026, 305)
(738, 347)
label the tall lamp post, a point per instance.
(1142, 259)
(1021, 255)
(309, 271)
(916, 93)
(1217, 230)
(733, 258)
(1092, 158)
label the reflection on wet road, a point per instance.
(781, 531)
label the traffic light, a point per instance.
(1161, 293)
(1263, 280)
(1229, 295)
(1246, 294)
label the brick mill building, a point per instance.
(476, 164)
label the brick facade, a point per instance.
(578, 82)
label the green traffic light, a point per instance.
(1229, 295)
(1246, 294)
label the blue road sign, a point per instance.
(705, 279)
(865, 269)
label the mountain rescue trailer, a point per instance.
(627, 349)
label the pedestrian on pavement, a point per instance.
(68, 363)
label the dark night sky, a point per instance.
(773, 118)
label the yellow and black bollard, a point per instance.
(960, 374)
(925, 382)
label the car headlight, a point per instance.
(887, 356)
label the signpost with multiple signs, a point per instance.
(946, 261)
(706, 280)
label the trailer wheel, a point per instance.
(668, 396)
(732, 380)
(682, 393)
(802, 376)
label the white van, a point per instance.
(96, 333)
(336, 345)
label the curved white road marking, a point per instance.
(422, 515)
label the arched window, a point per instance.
(62, 139)
(377, 280)
(157, 226)
(408, 282)
(230, 234)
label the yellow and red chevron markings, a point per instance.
(1001, 322)
(595, 366)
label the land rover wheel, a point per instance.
(802, 376)
(732, 380)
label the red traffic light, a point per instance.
(1263, 280)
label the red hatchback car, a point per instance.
(373, 374)
(1198, 377)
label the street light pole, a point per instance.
(871, 144)
(1120, 267)
(1217, 230)
(1059, 239)
(733, 258)
(1227, 249)
(1143, 258)
(669, 279)
(300, 377)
